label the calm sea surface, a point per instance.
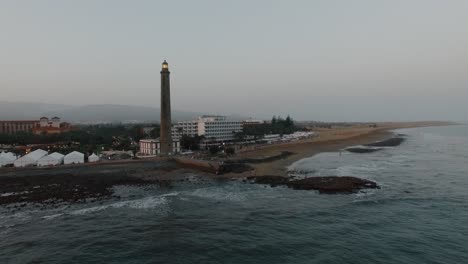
(419, 216)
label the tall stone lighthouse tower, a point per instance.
(165, 133)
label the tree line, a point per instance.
(278, 125)
(86, 138)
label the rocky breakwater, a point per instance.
(51, 189)
(391, 142)
(326, 185)
(377, 146)
(76, 184)
(215, 167)
(362, 149)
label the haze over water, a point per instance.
(419, 216)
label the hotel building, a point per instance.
(216, 128)
(41, 126)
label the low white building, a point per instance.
(7, 158)
(74, 157)
(53, 159)
(252, 122)
(299, 135)
(30, 159)
(93, 158)
(149, 147)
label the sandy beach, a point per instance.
(332, 139)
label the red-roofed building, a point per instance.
(13, 127)
(41, 126)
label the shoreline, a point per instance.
(330, 140)
(78, 183)
(310, 149)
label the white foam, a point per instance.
(50, 217)
(12, 193)
(145, 203)
(170, 194)
(218, 194)
(89, 210)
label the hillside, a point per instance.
(87, 113)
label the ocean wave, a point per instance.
(218, 194)
(170, 194)
(365, 194)
(18, 216)
(9, 222)
(152, 202)
(350, 170)
(50, 217)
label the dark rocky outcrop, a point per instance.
(362, 150)
(62, 188)
(75, 184)
(273, 181)
(391, 142)
(328, 185)
(214, 167)
(301, 172)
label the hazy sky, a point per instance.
(320, 60)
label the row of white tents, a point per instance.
(41, 158)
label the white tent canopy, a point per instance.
(53, 159)
(74, 158)
(8, 155)
(7, 158)
(4, 161)
(93, 158)
(30, 159)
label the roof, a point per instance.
(149, 140)
(53, 156)
(19, 121)
(5, 161)
(93, 158)
(8, 155)
(74, 153)
(152, 140)
(36, 155)
(56, 155)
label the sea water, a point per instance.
(420, 215)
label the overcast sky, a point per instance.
(316, 60)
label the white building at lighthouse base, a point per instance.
(149, 147)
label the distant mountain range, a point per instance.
(89, 113)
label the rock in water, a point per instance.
(391, 142)
(329, 184)
(333, 185)
(362, 150)
(273, 181)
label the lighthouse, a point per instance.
(165, 138)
